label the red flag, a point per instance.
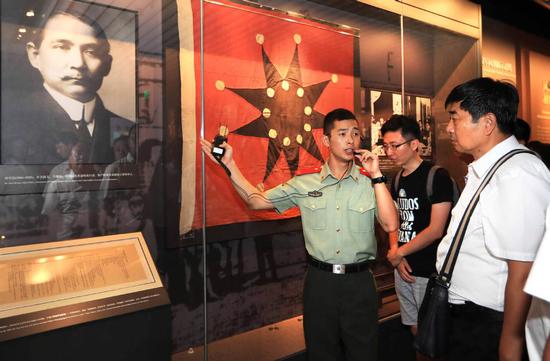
(270, 78)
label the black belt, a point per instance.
(338, 268)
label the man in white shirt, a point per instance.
(537, 327)
(71, 52)
(488, 305)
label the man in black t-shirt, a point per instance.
(423, 219)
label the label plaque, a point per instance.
(51, 285)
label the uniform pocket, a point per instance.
(361, 211)
(314, 213)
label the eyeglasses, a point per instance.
(393, 147)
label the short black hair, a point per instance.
(485, 95)
(336, 115)
(408, 126)
(99, 32)
(523, 130)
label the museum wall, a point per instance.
(524, 59)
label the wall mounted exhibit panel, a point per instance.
(82, 126)
(539, 81)
(52, 98)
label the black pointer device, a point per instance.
(217, 151)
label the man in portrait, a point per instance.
(72, 54)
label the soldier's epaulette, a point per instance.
(364, 172)
(311, 170)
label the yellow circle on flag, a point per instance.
(286, 141)
(260, 38)
(285, 85)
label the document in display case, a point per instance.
(52, 285)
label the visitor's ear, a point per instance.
(326, 140)
(414, 144)
(32, 54)
(489, 123)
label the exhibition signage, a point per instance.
(51, 285)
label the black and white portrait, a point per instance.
(69, 75)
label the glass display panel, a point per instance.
(436, 60)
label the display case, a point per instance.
(311, 56)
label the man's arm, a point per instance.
(435, 230)
(387, 214)
(250, 194)
(546, 356)
(403, 266)
(516, 306)
(392, 239)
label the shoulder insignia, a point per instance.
(364, 172)
(311, 170)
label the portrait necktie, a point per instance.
(83, 133)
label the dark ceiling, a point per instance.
(529, 15)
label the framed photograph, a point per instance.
(423, 115)
(68, 97)
(383, 104)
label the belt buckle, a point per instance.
(339, 269)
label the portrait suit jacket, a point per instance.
(40, 121)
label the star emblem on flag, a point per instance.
(287, 111)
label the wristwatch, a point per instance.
(381, 179)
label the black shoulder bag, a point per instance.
(434, 315)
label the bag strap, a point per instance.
(396, 181)
(452, 255)
(430, 182)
